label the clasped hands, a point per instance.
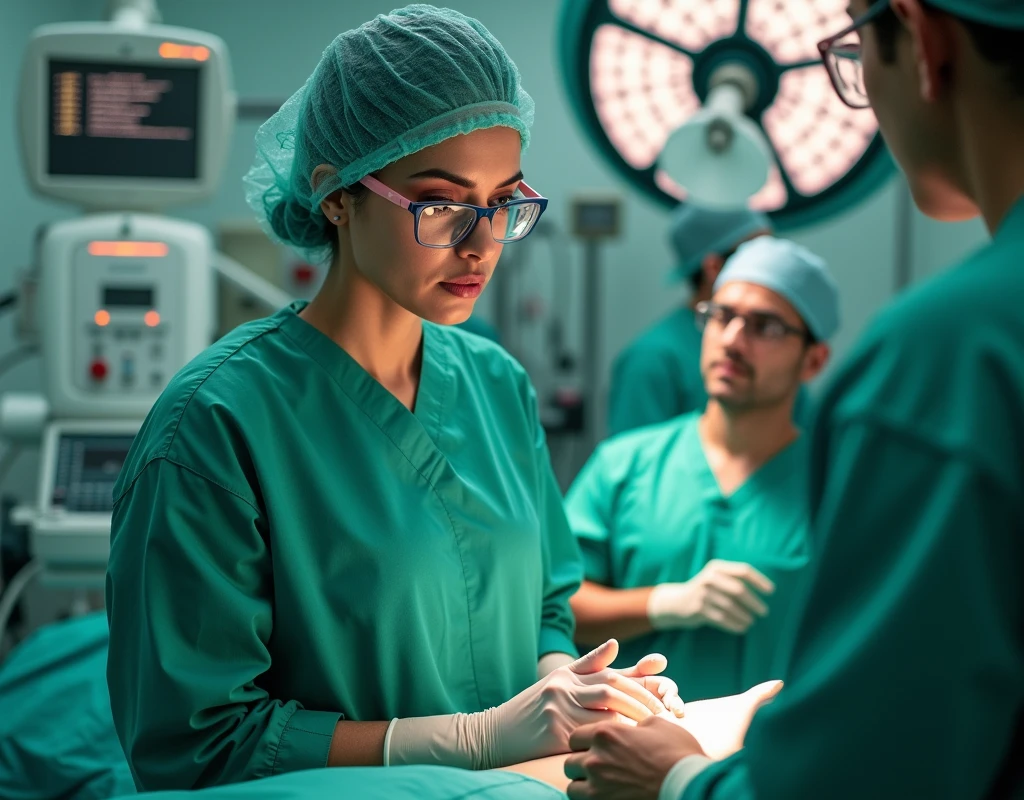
(621, 762)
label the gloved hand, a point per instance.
(617, 762)
(647, 674)
(550, 662)
(721, 595)
(535, 723)
(721, 724)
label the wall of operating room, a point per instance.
(274, 46)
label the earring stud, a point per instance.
(335, 217)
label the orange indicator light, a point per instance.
(190, 52)
(128, 249)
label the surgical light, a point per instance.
(721, 101)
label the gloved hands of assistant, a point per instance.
(538, 721)
(616, 762)
(724, 595)
(721, 723)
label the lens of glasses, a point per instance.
(511, 223)
(758, 326)
(702, 315)
(848, 71)
(765, 327)
(443, 226)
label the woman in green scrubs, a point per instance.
(344, 514)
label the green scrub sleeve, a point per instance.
(728, 778)
(189, 605)
(563, 569)
(589, 507)
(910, 643)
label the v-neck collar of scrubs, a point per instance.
(380, 405)
(776, 469)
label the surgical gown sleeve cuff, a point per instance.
(553, 640)
(305, 742)
(679, 777)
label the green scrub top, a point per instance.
(292, 546)
(481, 328)
(657, 377)
(646, 510)
(907, 673)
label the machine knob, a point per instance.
(98, 369)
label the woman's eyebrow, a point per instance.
(459, 180)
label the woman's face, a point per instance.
(480, 168)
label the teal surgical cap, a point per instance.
(793, 272)
(391, 87)
(997, 13)
(697, 232)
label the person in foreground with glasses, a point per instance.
(694, 532)
(906, 679)
(338, 539)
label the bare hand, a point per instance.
(619, 762)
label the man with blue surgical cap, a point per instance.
(657, 377)
(906, 678)
(694, 532)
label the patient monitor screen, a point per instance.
(123, 121)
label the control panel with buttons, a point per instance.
(126, 297)
(124, 307)
(87, 466)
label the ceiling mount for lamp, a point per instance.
(720, 155)
(736, 81)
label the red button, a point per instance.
(98, 370)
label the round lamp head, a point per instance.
(723, 160)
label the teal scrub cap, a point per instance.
(997, 13)
(391, 87)
(793, 272)
(698, 232)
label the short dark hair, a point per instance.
(1003, 47)
(697, 279)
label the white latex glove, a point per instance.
(549, 662)
(721, 595)
(720, 725)
(535, 723)
(646, 673)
